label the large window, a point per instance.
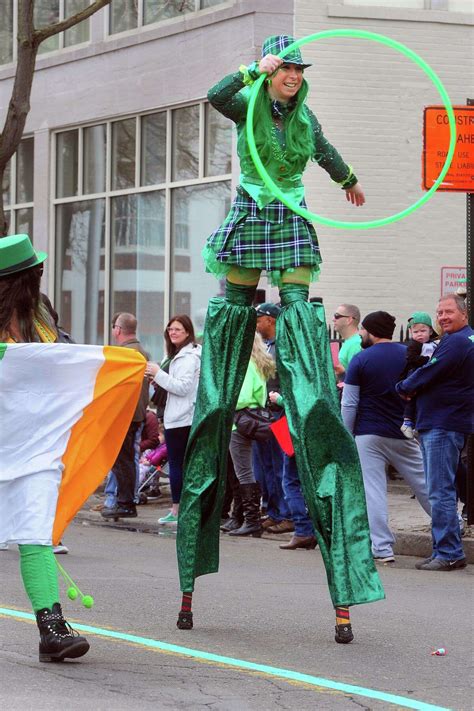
(130, 14)
(46, 12)
(6, 32)
(135, 200)
(466, 6)
(18, 189)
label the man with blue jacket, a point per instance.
(444, 389)
(373, 413)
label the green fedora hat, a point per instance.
(277, 43)
(17, 254)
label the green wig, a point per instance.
(298, 133)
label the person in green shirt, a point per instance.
(346, 321)
(252, 395)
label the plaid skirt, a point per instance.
(272, 238)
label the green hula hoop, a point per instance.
(314, 217)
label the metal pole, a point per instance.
(469, 294)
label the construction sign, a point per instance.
(436, 134)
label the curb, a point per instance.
(419, 544)
(411, 543)
(138, 525)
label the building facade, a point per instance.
(125, 168)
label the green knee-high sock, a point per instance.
(40, 575)
(326, 457)
(228, 338)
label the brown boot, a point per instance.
(308, 542)
(267, 522)
(284, 526)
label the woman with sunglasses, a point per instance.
(178, 375)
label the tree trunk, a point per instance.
(19, 105)
(29, 40)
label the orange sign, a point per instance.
(460, 176)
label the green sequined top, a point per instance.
(230, 97)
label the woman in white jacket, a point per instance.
(179, 376)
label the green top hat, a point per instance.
(17, 254)
(420, 317)
(277, 43)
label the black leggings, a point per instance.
(176, 441)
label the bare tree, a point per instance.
(28, 41)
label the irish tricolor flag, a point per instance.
(68, 407)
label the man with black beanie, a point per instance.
(373, 412)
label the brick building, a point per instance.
(125, 168)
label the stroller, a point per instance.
(149, 489)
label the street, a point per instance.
(266, 606)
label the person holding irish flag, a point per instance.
(57, 435)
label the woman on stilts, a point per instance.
(261, 233)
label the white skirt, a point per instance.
(28, 508)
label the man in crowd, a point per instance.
(268, 458)
(346, 321)
(124, 332)
(373, 412)
(444, 390)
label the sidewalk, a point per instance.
(408, 521)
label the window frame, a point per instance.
(14, 206)
(141, 25)
(430, 13)
(61, 46)
(168, 185)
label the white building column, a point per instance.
(41, 189)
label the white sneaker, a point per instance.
(386, 559)
(60, 548)
(408, 431)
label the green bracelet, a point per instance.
(249, 74)
(348, 181)
(254, 70)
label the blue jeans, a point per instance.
(138, 439)
(295, 499)
(441, 451)
(267, 461)
(110, 490)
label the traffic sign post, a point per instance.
(459, 178)
(469, 280)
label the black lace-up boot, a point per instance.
(57, 638)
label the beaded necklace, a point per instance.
(278, 145)
(279, 113)
(45, 333)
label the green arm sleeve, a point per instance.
(225, 96)
(328, 158)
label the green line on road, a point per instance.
(242, 664)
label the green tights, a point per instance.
(40, 575)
